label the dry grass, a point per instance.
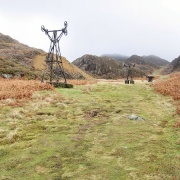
(70, 68)
(14, 92)
(170, 87)
(81, 82)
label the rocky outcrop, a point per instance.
(147, 64)
(140, 64)
(104, 67)
(99, 67)
(173, 67)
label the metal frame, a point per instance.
(129, 71)
(54, 65)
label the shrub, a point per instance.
(170, 87)
(20, 89)
(81, 82)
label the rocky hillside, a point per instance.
(110, 67)
(141, 64)
(103, 67)
(156, 61)
(99, 67)
(147, 64)
(173, 67)
(17, 59)
(151, 60)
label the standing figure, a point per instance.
(129, 77)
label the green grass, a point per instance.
(10, 66)
(85, 133)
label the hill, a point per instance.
(147, 64)
(20, 60)
(110, 66)
(16, 58)
(72, 71)
(103, 67)
(99, 67)
(141, 64)
(155, 60)
(174, 66)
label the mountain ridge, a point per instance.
(104, 67)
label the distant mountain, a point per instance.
(117, 57)
(141, 64)
(173, 67)
(135, 59)
(103, 67)
(147, 64)
(99, 67)
(17, 59)
(156, 61)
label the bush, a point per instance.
(170, 87)
(20, 89)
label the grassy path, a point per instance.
(84, 133)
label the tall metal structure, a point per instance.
(129, 76)
(54, 65)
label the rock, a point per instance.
(100, 67)
(7, 76)
(134, 117)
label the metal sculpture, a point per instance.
(129, 76)
(54, 65)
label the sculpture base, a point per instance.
(129, 81)
(60, 84)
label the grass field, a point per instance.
(84, 133)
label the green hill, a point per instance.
(17, 59)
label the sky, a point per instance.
(126, 27)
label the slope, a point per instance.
(156, 61)
(147, 64)
(173, 67)
(20, 60)
(72, 71)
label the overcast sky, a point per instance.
(127, 27)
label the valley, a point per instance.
(101, 128)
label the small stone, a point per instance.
(134, 117)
